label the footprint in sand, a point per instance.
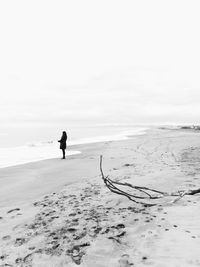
(124, 261)
(19, 241)
(7, 237)
(31, 248)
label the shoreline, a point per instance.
(35, 152)
(81, 222)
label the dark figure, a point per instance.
(62, 142)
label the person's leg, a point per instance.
(63, 150)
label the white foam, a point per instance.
(25, 154)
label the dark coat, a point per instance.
(63, 141)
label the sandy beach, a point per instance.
(57, 213)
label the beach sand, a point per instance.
(57, 213)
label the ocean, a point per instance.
(21, 145)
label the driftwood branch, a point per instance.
(145, 193)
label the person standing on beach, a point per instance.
(63, 144)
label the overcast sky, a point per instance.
(99, 61)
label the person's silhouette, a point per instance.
(62, 142)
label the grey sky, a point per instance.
(99, 61)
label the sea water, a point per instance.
(21, 146)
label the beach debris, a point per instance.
(128, 165)
(145, 193)
(17, 209)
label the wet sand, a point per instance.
(59, 213)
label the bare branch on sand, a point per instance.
(145, 193)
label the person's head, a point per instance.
(64, 134)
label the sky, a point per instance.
(96, 62)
